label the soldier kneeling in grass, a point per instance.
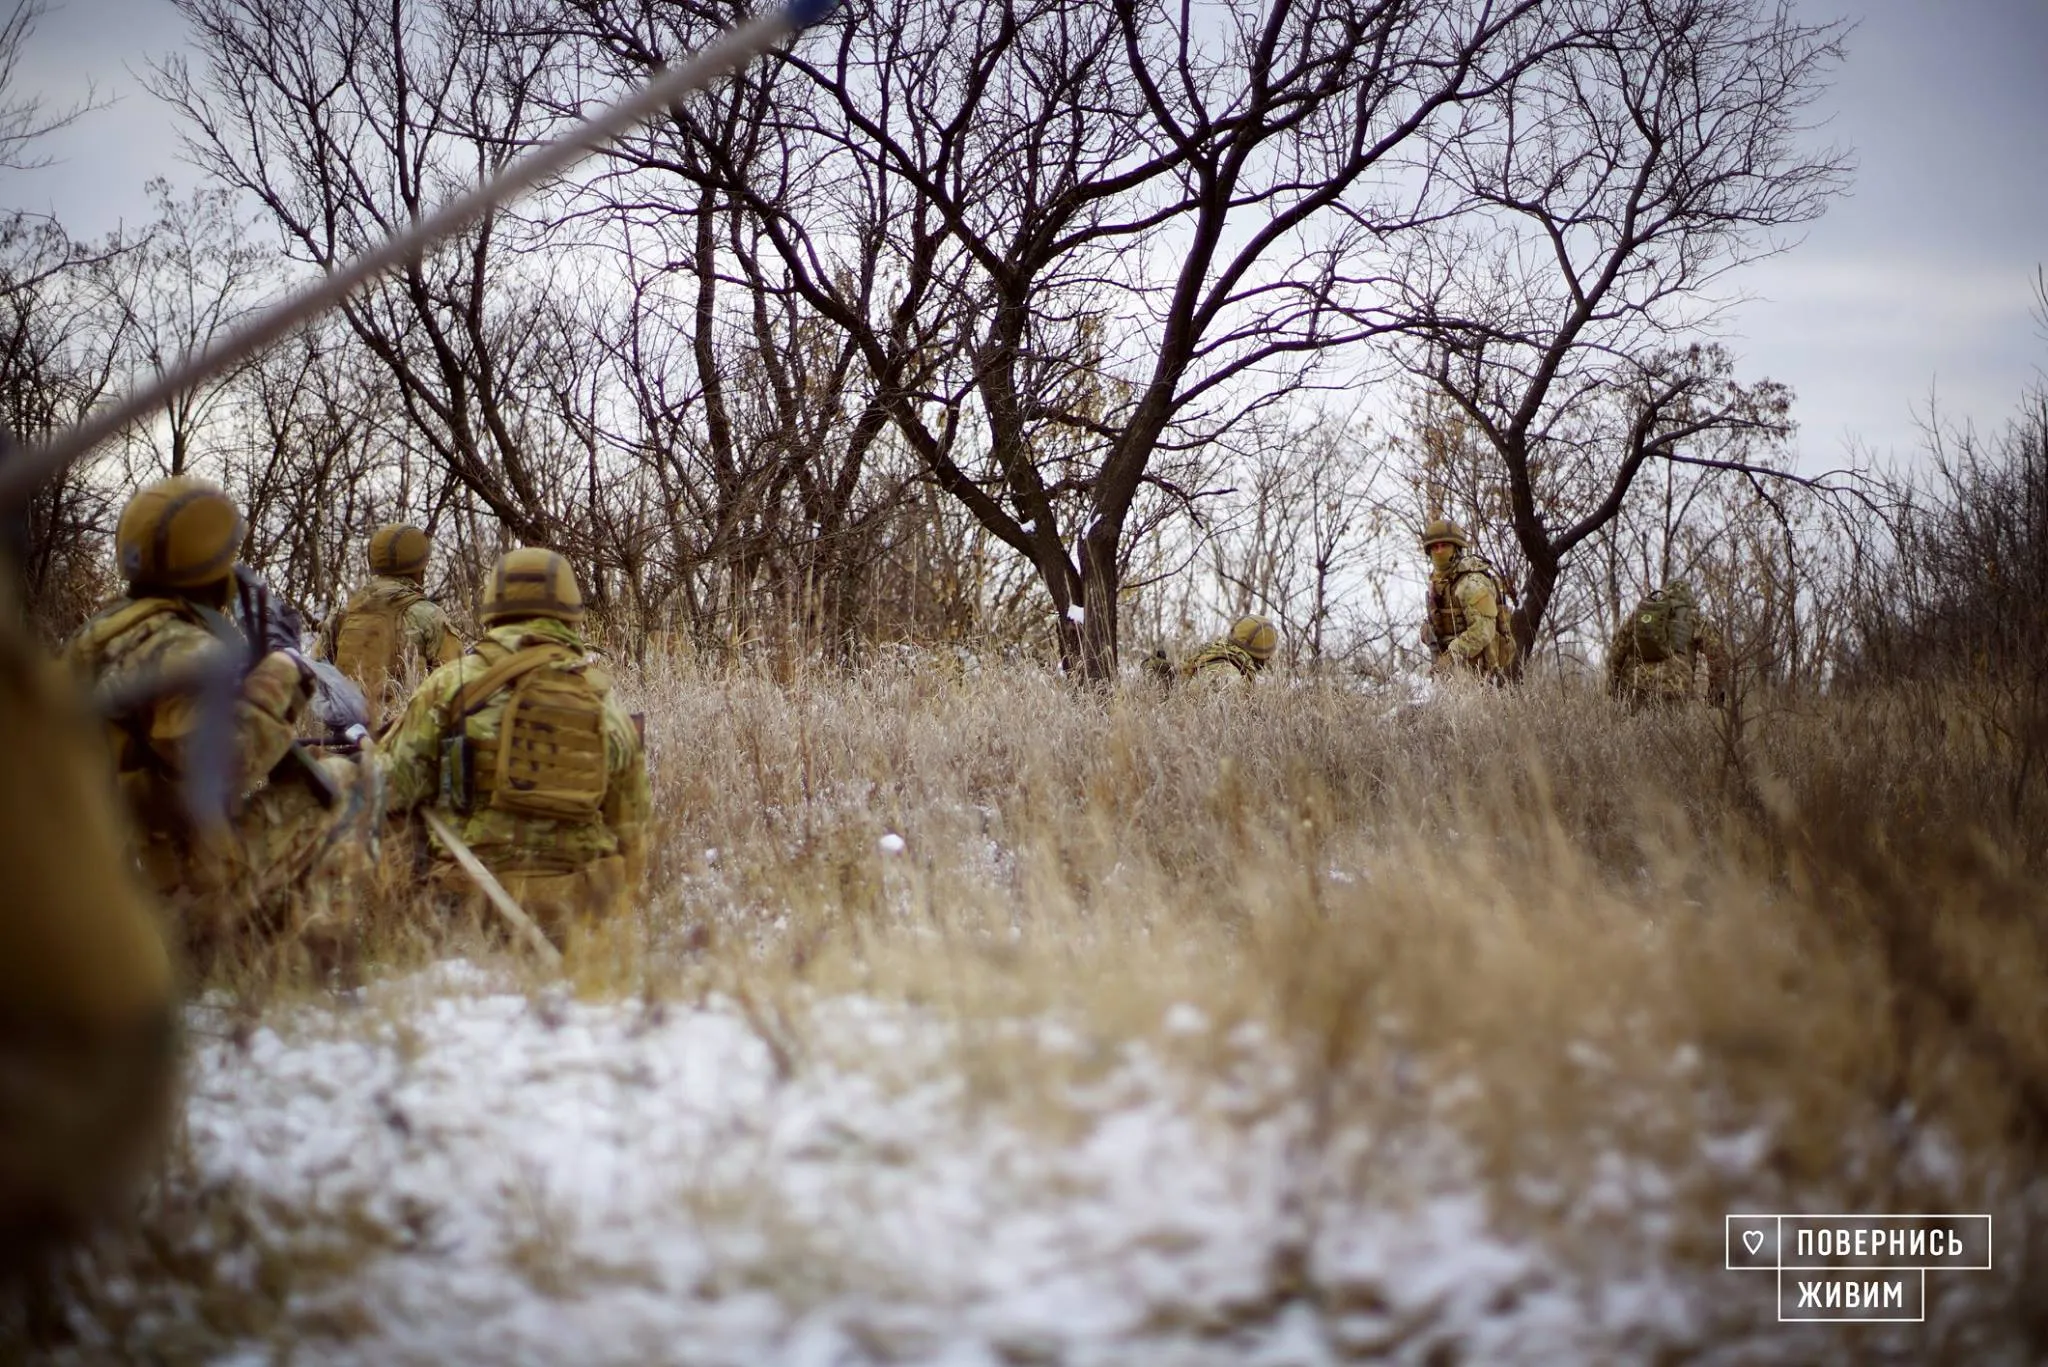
(278, 866)
(1237, 659)
(522, 751)
(390, 630)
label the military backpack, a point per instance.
(368, 644)
(1663, 627)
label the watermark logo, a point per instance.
(1856, 1267)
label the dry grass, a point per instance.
(1573, 936)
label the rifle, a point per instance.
(270, 623)
(265, 619)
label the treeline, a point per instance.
(1052, 326)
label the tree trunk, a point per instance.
(1539, 586)
(1087, 606)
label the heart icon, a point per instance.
(1752, 1239)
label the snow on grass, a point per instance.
(548, 1180)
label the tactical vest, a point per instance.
(371, 639)
(1220, 652)
(1447, 616)
(132, 752)
(546, 755)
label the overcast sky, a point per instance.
(1916, 283)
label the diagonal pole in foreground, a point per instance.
(494, 892)
(30, 465)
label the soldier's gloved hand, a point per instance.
(301, 663)
(278, 684)
(1443, 666)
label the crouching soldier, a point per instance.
(521, 747)
(1236, 659)
(249, 841)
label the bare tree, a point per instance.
(58, 348)
(1955, 595)
(347, 118)
(1596, 201)
(61, 340)
(1293, 536)
(1067, 239)
(194, 274)
(744, 418)
(26, 119)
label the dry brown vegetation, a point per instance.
(1794, 966)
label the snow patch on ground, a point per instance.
(610, 1183)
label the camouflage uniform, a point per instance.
(289, 857)
(1219, 665)
(1236, 659)
(426, 640)
(560, 871)
(87, 1024)
(1695, 675)
(1464, 626)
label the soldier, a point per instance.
(276, 856)
(390, 631)
(1667, 651)
(1238, 657)
(522, 748)
(87, 1024)
(1468, 628)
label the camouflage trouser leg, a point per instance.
(1662, 683)
(297, 869)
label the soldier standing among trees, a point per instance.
(1467, 628)
(522, 748)
(1667, 651)
(390, 631)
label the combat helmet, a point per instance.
(1255, 636)
(1442, 529)
(531, 582)
(179, 533)
(399, 549)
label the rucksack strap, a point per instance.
(115, 621)
(479, 690)
(400, 602)
(1476, 564)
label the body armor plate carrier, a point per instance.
(546, 756)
